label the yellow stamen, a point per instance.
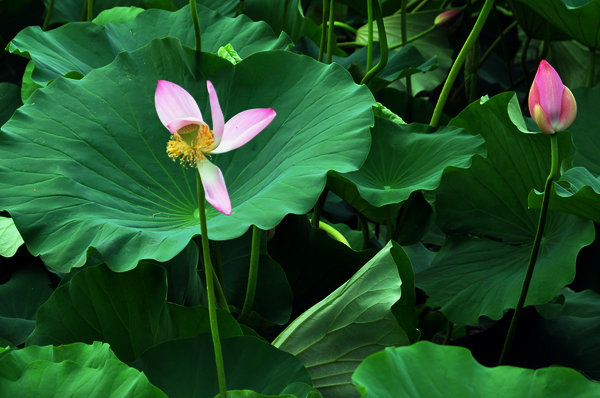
(191, 143)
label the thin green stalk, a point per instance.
(196, 22)
(316, 217)
(323, 27)
(421, 5)
(220, 294)
(210, 288)
(350, 43)
(240, 7)
(345, 26)
(364, 226)
(534, 250)
(524, 58)
(369, 34)
(592, 69)
(383, 46)
(413, 38)
(284, 15)
(404, 37)
(252, 273)
(448, 333)
(84, 11)
(330, 35)
(90, 10)
(48, 14)
(458, 63)
(492, 46)
(505, 55)
(215, 249)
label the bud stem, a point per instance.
(534, 250)
(210, 288)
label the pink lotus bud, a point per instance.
(551, 103)
(447, 18)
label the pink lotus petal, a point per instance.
(179, 123)
(172, 102)
(568, 110)
(218, 122)
(215, 190)
(541, 119)
(243, 127)
(549, 90)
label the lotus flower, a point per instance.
(551, 103)
(193, 141)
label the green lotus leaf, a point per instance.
(281, 15)
(577, 192)
(84, 162)
(571, 326)
(585, 129)
(66, 49)
(480, 269)
(71, 370)
(128, 310)
(408, 158)
(273, 297)
(20, 297)
(580, 19)
(402, 63)
(435, 44)
(336, 334)
(186, 368)
(10, 239)
(117, 14)
(71, 10)
(10, 100)
(427, 370)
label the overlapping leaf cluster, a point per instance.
(100, 288)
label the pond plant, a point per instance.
(404, 198)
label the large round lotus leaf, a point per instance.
(67, 49)
(128, 310)
(84, 162)
(408, 158)
(74, 370)
(480, 269)
(578, 18)
(186, 367)
(577, 192)
(357, 319)
(585, 129)
(70, 10)
(427, 370)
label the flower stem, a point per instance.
(48, 14)
(534, 250)
(210, 288)
(323, 29)
(404, 37)
(196, 22)
(330, 34)
(364, 227)
(592, 69)
(458, 63)
(383, 46)
(316, 217)
(369, 34)
(89, 13)
(252, 273)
